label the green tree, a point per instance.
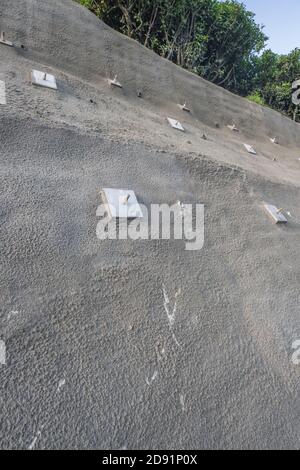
(218, 40)
(234, 38)
(275, 75)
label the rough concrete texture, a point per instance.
(91, 361)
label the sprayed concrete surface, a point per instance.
(91, 359)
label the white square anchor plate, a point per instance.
(43, 79)
(175, 124)
(2, 92)
(121, 203)
(250, 149)
(275, 214)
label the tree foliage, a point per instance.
(273, 81)
(219, 40)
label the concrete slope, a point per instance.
(140, 344)
(74, 44)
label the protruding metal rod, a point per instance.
(125, 199)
